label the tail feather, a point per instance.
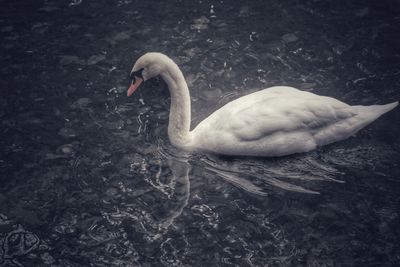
(375, 111)
(367, 114)
(363, 116)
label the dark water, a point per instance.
(88, 177)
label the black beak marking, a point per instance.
(135, 74)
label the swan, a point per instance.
(276, 121)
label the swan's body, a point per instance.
(275, 121)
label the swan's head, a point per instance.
(146, 67)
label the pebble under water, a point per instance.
(89, 178)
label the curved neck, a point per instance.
(179, 115)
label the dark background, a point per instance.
(85, 171)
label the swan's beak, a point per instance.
(134, 86)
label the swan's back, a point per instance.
(280, 121)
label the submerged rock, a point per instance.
(289, 37)
(95, 59)
(81, 103)
(66, 149)
(121, 36)
(200, 23)
(111, 191)
(244, 12)
(19, 242)
(67, 59)
(7, 29)
(47, 258)
(362, 12)
(67, 132)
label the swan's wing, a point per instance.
(276, 109)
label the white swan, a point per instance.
(276, 121)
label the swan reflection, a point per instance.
(167, 172)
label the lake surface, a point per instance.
(89, 178)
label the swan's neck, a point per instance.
(179, 115)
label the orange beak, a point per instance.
(134, 86)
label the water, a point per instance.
(88, 177)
